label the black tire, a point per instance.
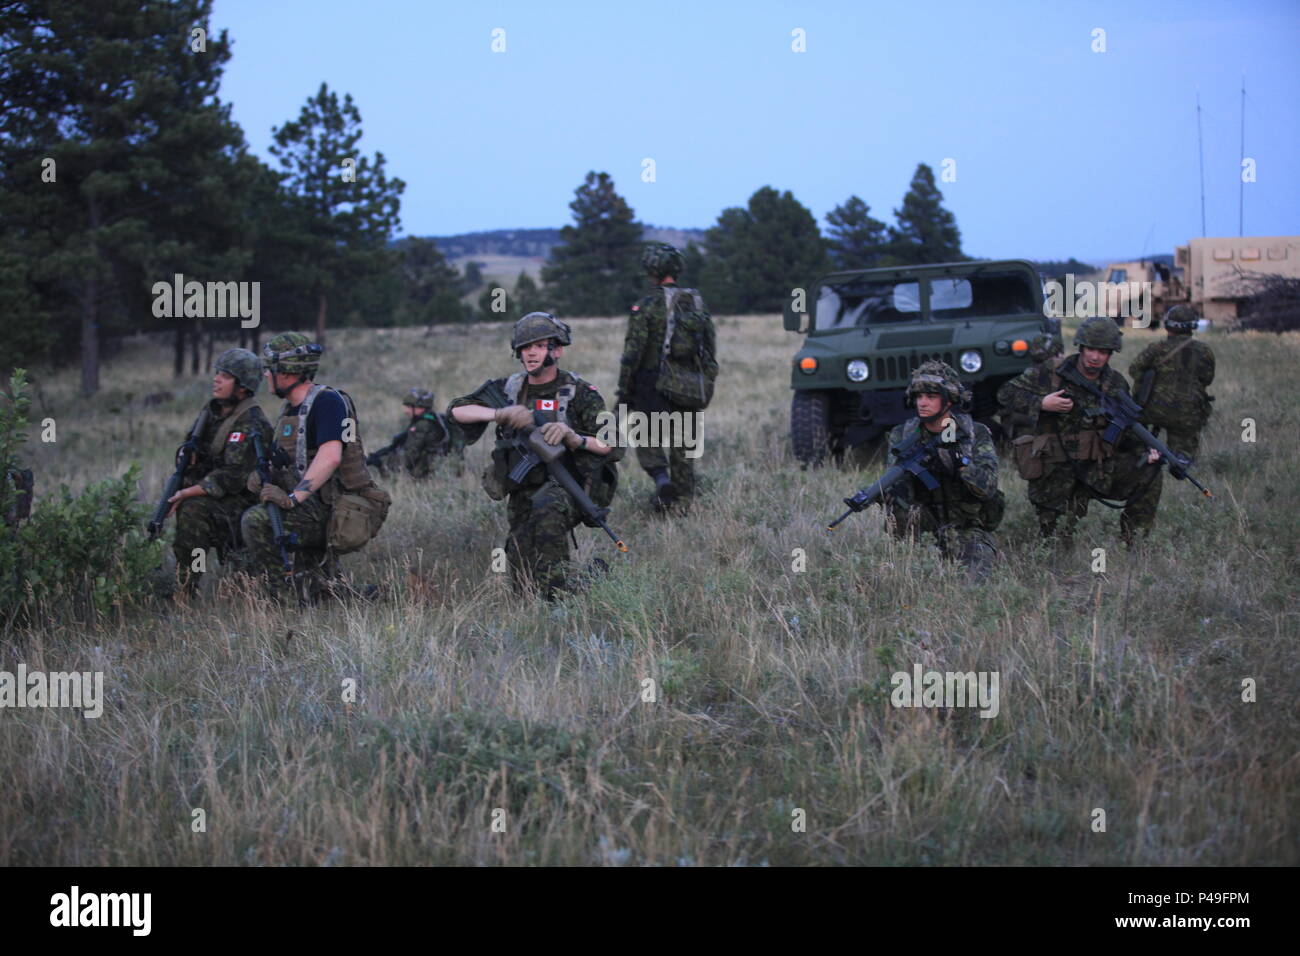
(810, 434)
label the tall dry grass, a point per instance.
(1120, 690)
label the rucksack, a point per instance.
(688, 363)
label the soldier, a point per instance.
(1043, 348)
(643, 352)
(1171, 378)
(209, 507)
(428, 437)
(966, 507)
(541, 513)
(318, 459)
(1064, 458)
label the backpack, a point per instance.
(688, 364)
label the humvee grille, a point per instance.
(900, 368)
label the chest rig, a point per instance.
(506, 455)
(291, 439)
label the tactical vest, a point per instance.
(1082, 444)
(227, 424)
(444, 445)
(505, 455)
(952, 503)
(1177, 400)
(291, 438)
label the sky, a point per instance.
(1055, 147)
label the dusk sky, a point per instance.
(1058, 150)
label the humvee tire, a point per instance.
(810, 433)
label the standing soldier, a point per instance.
(1171, 378)
(1044, 348)
(427, 437)
(645, 348)
(541, 513)
(209, 507)
(966, 507)
(1064, 458)
(319, 469)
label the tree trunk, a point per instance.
(196, 341)
(90, 338)
(320, 321)
(212, 340)
(178, 352)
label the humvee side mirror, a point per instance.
(793, 320)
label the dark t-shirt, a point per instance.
(325, 420)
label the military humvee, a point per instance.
(868, 329)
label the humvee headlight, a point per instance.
(1002, 347)
(1019, 347)
(971, 362)
(808, 365)
(858, 370)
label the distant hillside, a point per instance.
(537, 243)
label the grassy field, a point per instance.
(1120, 691)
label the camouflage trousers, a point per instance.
(308, 521)
(537, 547)
(1062, 494)
(673, 459)
(971, 546)
(204, 523)
(1182, 442)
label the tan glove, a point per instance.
(254, 483)
(276, 495)
(556, 433)
(513, 416)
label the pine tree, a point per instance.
(757, 255)
(431, 287)
(596, 268)
(527, 297)
(350, 208)
(926, 232)
(857, 240)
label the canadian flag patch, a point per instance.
(236, 437)
(546, 405)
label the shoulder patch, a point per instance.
(236, 437)
(636, 308)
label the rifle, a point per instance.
(184, 457)
(376, 458)
(1122, 412)
(284, 540)
(536, 451)
(911, 459)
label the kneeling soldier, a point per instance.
(209, 507)
(965, 507)
(1064, 458)
(541, 513)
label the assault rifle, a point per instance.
(1122, 412)
(911, 460)
(284, 540)
(376, 458)
(184, 457)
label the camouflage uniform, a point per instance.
(966, 507)
(1044, 349)
(1182, 369)
(429, 438)
(673, 471)
(541, 513)
(221, 466)
(1064, 458)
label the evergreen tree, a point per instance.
(473, 277)
(527, 297)
(758, 254)
(693, 267)
(596, 269)
(926, 232)
(118, 166)
(431, 287)
(348, 211)
(857, 240)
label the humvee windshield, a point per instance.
(858, 303)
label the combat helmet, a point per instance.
(292, 353)
(660, 259)
(418, 398)
(537, 327)
(937, 378)
(242, 365)
(1099, 332)
(1043, 346)
(1181, 319)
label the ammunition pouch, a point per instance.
(1034, 453)
(494, 475)
(600, 483)
(355, 518)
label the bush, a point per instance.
(78, 555)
